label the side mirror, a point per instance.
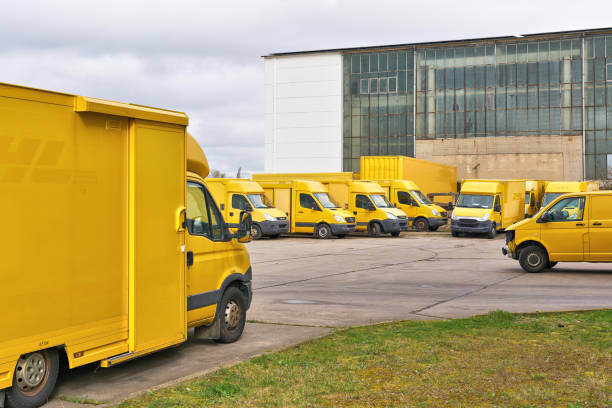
(497, 208)
(244, 227)
(544, 218)
(371, 207)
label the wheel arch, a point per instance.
(524, 244)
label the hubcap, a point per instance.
(31, 371)
(534, 260)
(232, 315)
(254, 232)
(323, 232)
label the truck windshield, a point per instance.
(549, 198)
(259, 201)
(475, 201)
(380, 201)
(420, 197)
(325, 201)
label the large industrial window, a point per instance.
(610, 166)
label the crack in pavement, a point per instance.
(417, 311)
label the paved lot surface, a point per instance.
(304, 286)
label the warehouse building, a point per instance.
(524, 106)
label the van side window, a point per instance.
(203, 217)
(496, 203)
(568, 209)
(240, 203)
(362, 201)
(404, 198)
(306, 201)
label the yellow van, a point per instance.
(112, 244)
(309, 207)
(488, 206)
(554, 189)
(236, 195)
(423, 215)
(534, 193)
(575, 227)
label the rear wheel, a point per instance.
(374, 229)
(256, 232)
(323, 231)
(34, 379)
(420, 224)
(232, 312)
(533, 259)
(395, 234)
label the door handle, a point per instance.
(597, 223)
(580, 224)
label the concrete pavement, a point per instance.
(303, 286)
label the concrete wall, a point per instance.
(531, 157)
(303, 113)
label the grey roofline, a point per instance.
(507, 37)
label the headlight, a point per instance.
(434, 212)
(391, 216)
(338, 218)
(269, 217)
(484, 217)
(453, 216)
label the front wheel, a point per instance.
(34, 379)
(374, 229)
(322, 231)
(492, 232)
(420, 224)
(256, 232)
(533, 259)
(232, 312)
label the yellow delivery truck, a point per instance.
(108, 227)
(555, 189)
(534, 193)
(431, 177)
(309, 207)
(236, 195)
(423, 215)
(366, 200)
(488, 206)
(576, 227)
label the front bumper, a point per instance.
(437, 222)
(273, 227)
(339, 229)
(471, 226)
(394, 225)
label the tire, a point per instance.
(432, 229)
(232, 312)
(374, 229)
(256, 232)
(37, 393)
(341, 235)
(322, 231)
(420, 224)
(492, 232)
(395, 234)
(533, 259)
(454, 233)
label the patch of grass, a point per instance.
(77, 400)
(499, 359)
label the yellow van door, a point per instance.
(157, 260)
(565, 231)
(362, 211)
(600, 228)
(407, 204)
(238, 203)
(307, 212)
(208, 256)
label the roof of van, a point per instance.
(481, 186)
(238, 185)
(397, 183)
(571, 186)
(306, 185)
(367, 187)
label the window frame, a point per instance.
(317, 207)
(240, 196)
(366, 198)
(582, 198)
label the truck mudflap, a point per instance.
(273, 227)
(339, 229)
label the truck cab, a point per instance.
(236, 195)
(555, 189)
(575, 227)
(423, 215)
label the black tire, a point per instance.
(395, 234)
(420, 224)
(23, 396)
(323, 231)
(341, 235)
(256, 232)
(432, 229)
(454, 233)
(492, 232)
(232, 315)
(374, 229)
(533, 259)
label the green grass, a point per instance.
(500, 359)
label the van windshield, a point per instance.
(325, 201)
(259, 201)
(420, 197)
(380, 201)
(550, 197)
(475, 201)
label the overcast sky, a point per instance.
(204, 57)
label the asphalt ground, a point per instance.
(304, 288)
